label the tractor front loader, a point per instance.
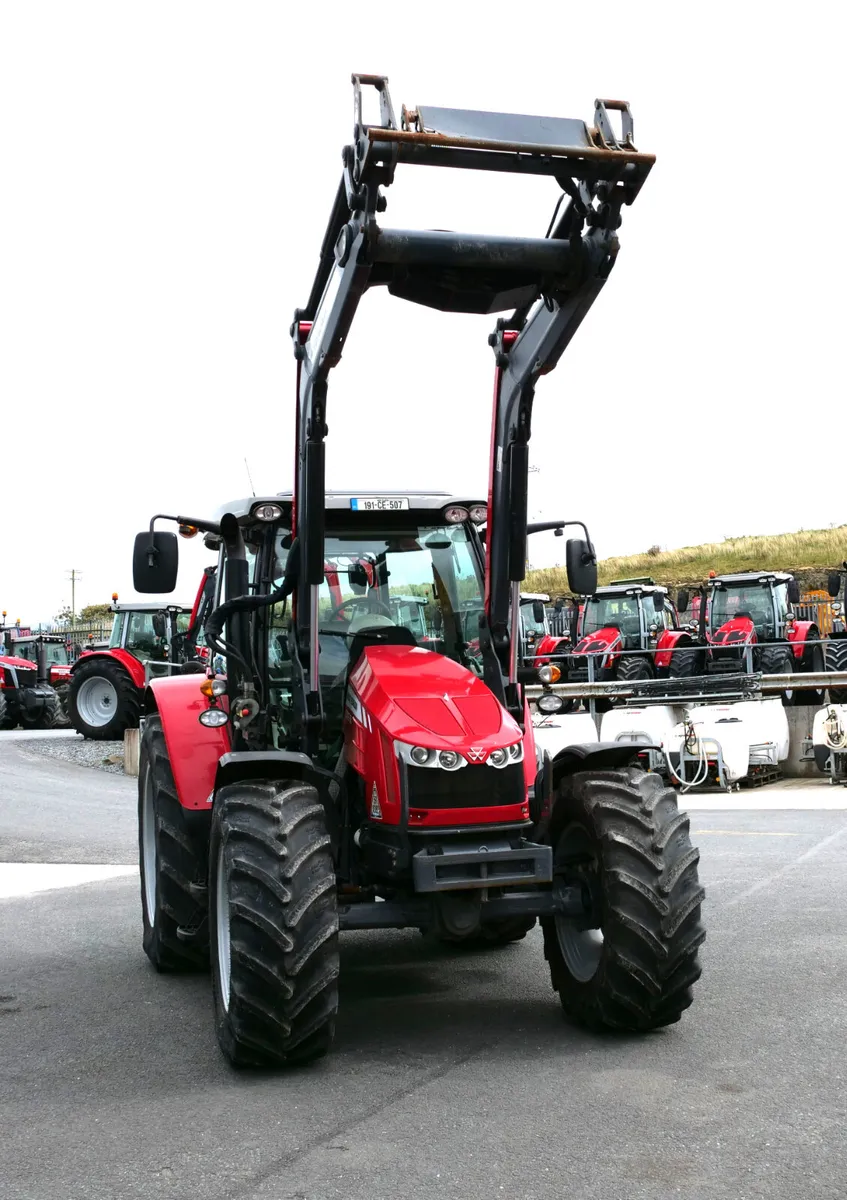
(349, 773)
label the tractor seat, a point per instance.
(369, 620)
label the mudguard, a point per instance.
(194, 750)
(129, 662)
(596, 756)
(668, 641)
(798, 634)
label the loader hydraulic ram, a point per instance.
(365, 762)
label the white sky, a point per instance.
(167, 172)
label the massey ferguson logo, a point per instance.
(476, 755)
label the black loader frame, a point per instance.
(550, 282)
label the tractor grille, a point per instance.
(470, 787)
(27, 677)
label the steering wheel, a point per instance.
(361, 602)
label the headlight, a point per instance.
(516, 752)
(550, 703)
(455, 514)
(213, 718)
(498, 758)
(549, 674)
(419, 755)
(479, 513)
(449, 760)
(836, 608)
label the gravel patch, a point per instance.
(84, 753)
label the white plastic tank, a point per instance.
(748, 732)
(648, 725)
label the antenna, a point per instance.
(249, 476)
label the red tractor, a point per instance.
(629, 629)
(342, 774)
(106, 686)
(746, 624)
(26, 695)
(50, 653)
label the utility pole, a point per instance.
(74, 576)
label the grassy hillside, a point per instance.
(807, 554)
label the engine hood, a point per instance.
(600, 639)
(20, 664)
(425, 699)
(736, 632)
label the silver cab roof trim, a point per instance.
(420, 501)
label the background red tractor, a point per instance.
(26, 697)
(148, 640)
(630, 630)
(746, 624)
(56, 664)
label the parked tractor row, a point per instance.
(744, 623)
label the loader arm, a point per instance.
(549, 282)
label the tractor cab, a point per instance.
(148, 633)
(407, 576)
(750, 607)
(630, 612)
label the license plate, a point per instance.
(379, 504)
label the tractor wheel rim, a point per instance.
(148, 845)
(222, 928)
(97, 701)
(581, 949)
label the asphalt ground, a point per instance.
(454, 1073)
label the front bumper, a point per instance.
(481, 862)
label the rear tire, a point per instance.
(836, 660)
(103, 701)
(63, 720)
(619, 835)
(175, 920)
(274, 924)
(778, 660)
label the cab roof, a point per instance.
(631, 589)
(752, 577)
(426, 501)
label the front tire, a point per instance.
(6, 722)
(836, 660)
(103, 700)
(172, 870)
(778, 660)
(620, 837)
(814, 661)
(49, 716)
(274, 924)
(686, 662)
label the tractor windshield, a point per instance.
(754, 602)
(612, 612)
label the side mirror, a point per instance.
(793, 592)
(437, 620)
(538, 612)
(155, 561)
(682, 599)
(833, 584)
(658, 602)
(160, 627)
(581, 564)
(559, 605)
